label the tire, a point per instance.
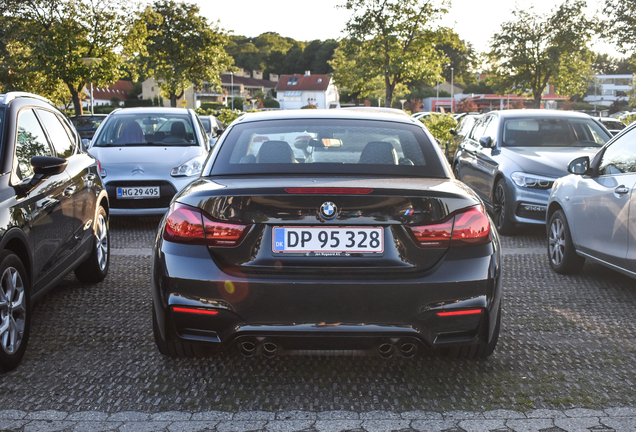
(95, 268)
(481, 350)
(15, 311)
(456, 171)
(561, 254)
(171, 346)
(501, 209)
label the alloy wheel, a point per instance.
(101, 242)
(556, 241)
(12, 310)
(500, 205)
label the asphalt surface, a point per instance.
(567, 345)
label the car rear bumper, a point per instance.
(324, 312)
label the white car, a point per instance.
(591, 211)
(147, 155)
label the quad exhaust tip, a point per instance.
(408, 349)
(247, 348)
(386, 350)
(269, 349)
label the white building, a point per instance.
(609, 88)
(296, 91)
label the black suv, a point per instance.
(53, 213)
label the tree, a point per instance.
(46, 40)
(181, 49)
(390, 39)
(621, 25)
(531, 51)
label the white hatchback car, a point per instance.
(147, 155)
(592, 212)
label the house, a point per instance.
(104, 95)
(610, 88)
(296, 91)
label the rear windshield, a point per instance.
(613, 124)
(147, 129)
(553, 132)
(207, 125)
(87, 123)
(328, 146)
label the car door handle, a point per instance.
(621, 190)
(70, 190)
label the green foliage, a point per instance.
(440, 125)
(607, 65)
(628, 118)
(227, 116)
(45, 41)
(129, 103)
(531, 51)
(621, 25)
(389, 43)
(212, 105)
(480, 88)
(271, 103)
(181, 49)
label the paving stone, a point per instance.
(254, 415)
(338, 415)
(171, 416)
(10, 425)
(240, 426)
(620, 423)
(577, 424)
(12, 415)
(144, 426)
(192, 426)
(385, 425)
(48, 426)
(481, 425)
(337, 425)
(288, 425)
(545, 413)
(530, 425)
(434, 425)
(296, 415)
(584, 412)
(621, 412)
(380, 415)
(463, 415)
(504, 414)
(212, 415)
(129, 416)
(47, 415)
(421, 415)
(96, 426)
(88, 416)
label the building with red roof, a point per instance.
(296, 91)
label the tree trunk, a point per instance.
(173, 100)
(77, 103)
(388, 98)
(537, 99)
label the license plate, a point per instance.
(138, 192)
(322, 239)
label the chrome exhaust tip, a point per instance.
(386, 350)
(269, 349)
(247, 348)
(408, 349)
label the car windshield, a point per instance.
(553, 132)
(142, 129)
(332, 146)
(87, 123)
(207, 124)
(613, 124)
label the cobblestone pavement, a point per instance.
(566, 360)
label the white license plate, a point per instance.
(138, 192)
(323, 239)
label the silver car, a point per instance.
(147, 155)
(592, 212)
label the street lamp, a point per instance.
(452, 104)
(402, 102)
(379, 99)
(232, 88)
(88, 61)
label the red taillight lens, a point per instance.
(459, 312)
(470, 227)
(186, 224)
(195, 311)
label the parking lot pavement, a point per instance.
(567, 343)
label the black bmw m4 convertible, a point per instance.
(326, 230)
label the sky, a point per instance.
(474, 20)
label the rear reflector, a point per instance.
(460, 312)
(191, 225)
(467, 227)
(195, 311)
(329, 191)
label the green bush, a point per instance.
(227, 116)
(628, 118)
(212, 106)
(130, 103)
(270, 103)
(440, 125)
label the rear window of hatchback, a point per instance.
(328, 146)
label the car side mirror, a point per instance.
(453, 132)
(43, 167)
(85, 143)
(485, 141)
(579, 166)
(219, 132)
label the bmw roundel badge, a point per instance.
(328, 210)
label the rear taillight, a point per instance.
(191, 225)
(468, 227)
